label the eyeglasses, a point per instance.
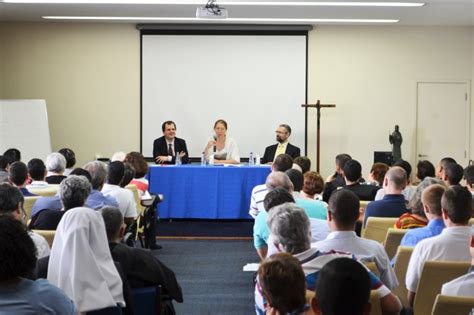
(281, 132)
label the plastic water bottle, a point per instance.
(211, 159)
(178, 160)
(251, 159)
(203, 159)
(257, 159)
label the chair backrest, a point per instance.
(392, 241)
(47, 234)
(453, 305)
(433, 276)
(376, 228)
(147, 301)
(400, 268)
(45, 192)
(375, 308)
(471, 221)
(372, 267)
(28, 205)
(134, 189)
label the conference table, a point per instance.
(193, 191)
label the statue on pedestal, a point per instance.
(396, 141)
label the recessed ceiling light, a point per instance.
(234, 20)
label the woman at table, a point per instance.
(224, 148)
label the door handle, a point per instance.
(422, 155)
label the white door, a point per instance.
(443, 121)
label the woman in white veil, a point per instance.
(81, 264)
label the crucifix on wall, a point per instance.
(318, 107)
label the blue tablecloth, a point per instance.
(205, 192)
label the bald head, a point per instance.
(278, 179)
(396, 178)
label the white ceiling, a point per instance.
(435, 12)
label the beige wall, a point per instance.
(89, 75)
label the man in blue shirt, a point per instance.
(393, 203)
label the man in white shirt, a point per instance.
(452, 244)
(37, 171)
(342, 217)
(124, 197)
(464, 285)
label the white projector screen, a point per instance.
(254, 82)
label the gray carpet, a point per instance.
(210, 274)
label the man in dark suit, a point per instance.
(283, 132)
(166, 148)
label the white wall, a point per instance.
(89, 76)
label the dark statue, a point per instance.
(396, 141)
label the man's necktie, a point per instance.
(170, 149)
(280, 150)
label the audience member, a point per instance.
(343, 287)
(19, 177)
(313, 183)
(290, 231)
(297, 179)
(73, 192)
(342, 217)
(440, 168)
(452, 244)
(80, 262)
(283, 132)
(416, 217)
(424, 169)
(303, 162)
(55, 165)
(124, 197)
(37, 171)
(453, 174)
(282, 163)
(282, 283)
(19, 295)
(409, 190)
(313, 186)
(70, 157)
(4, 165)
(140, 267)
(13, 155)
(336, 180)
(393, 203)
(464, 285)
(377, 174)
(96, 199)
(128, 175)
(137, 161)
(352, 174)
(11, 203)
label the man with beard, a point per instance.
(283, 132)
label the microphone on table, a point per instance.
(214, 147)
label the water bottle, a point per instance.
(251, 159)
(257, 159)
(211, 159)
(178, 160)
(203, 159)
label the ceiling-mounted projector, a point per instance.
(211, 11)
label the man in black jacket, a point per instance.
(283, 132)
(166, 148)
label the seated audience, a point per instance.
(312, 182)
(290, 231)
(13, 155)
(19, 177)
(140, 267)
(342, 217)
(469, 177)
(97, 199)
(424, 169)
(296, 178)
(19, 295)
(73, 192)
(377, 174)
(416, 217)
(282, 284)
(4, 165)
(137, 161)
(55, 165)
(440, 168)
(453, 174)
(343, 287)
(352, 174)
(452, 244)
(393, 203)
(303, 162)
(336, 180)
(125, 199)
(409, 190)
(282, 163)
(70, 157)
(37, 171)
(80, 262)
(128, 175)
(464, 285)
(11, 203)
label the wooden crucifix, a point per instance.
(318, 107)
